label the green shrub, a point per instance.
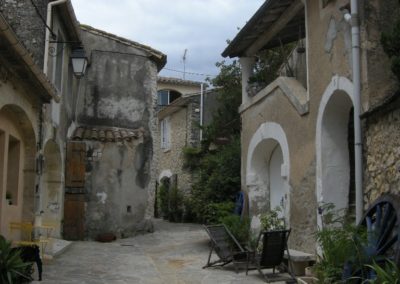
(191, 158)
(175, 205)
(12, 268)
(212, 213)
(239, 227)
(163, 200)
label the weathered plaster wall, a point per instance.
(120, 90)
(119, 84)
(18, 117)
(382, 154)
(116, 187)
(300, 137)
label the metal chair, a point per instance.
(271, 255)
(226, 247)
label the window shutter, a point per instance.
(75, 168)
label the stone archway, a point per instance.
(17, 165)
(51, 186)
(268, 171)
(332, 144)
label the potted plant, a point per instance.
(271, 221)
(12, 267)
(9, 198)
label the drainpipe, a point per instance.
(201, 110)
(355, 31)
(47, 36)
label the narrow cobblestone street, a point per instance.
(174, 253)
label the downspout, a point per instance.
(355, 31)
(47, 36)
(201, 110)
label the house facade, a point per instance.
(110, 168)
(36, 109)
(179, 117)
(76, 149)
(299, 146)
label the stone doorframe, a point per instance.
(337, 85)
(268, 132)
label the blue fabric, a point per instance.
(239, 203)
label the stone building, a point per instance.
(179, 115)
(110, 171)
(43, 35)
(299, 146)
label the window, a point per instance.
(165, 97)
(13, 168)
(165, 131)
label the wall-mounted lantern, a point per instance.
(79, 62)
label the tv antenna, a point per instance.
(184, 62)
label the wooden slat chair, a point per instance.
(29, 247)
(27, 238)
(274, 244)
(226, 247)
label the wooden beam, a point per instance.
(275, 28)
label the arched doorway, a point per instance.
(267, 177)
(17, 167)
(52, 190)
(335, 142)
(279, 193)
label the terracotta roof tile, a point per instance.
(103, 134)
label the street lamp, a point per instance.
(79, 62)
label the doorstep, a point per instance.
(300, 260)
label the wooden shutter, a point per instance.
(75, 169)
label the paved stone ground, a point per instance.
(174, 253)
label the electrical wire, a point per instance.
(190, 73)
(43, 19)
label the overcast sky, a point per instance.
(171, 26)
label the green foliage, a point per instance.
(239, 227)
(218, 181)
(175, 205)
(226, 119)
(218, 170)
(213, 213)
(163, 199)
(391, 45)
(271, 221)
(269, 62)
(12, 268)
(192, 157)
(388, 274)
(341, 243)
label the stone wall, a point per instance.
(120, 92)
(27, 24)
(382, 153)
(193, 119)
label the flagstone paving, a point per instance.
(174, 253)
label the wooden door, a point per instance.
(75, 169)
(74, 217)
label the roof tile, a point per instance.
(104, 134)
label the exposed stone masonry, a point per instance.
(382, 155)
(27, 24)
